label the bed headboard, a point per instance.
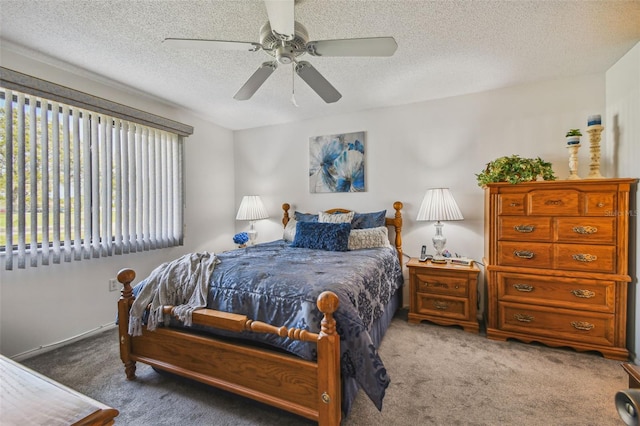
(395, 222)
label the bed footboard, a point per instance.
(309, 389)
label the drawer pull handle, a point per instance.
(524, 228)
(585, 257)
(585, 230)
(523, 317)
(524, 254)
(436, 284)
(514, 204)
(553, 202)
(600, 204)
(584, 294)
(523, 287)
(582, 325)
(443, 306)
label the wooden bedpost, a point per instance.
(329, 408)
(285, 214)
(126, 277)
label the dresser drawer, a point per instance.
(525, 254)
(590, 258)
(564, 202)
(593, 230)
(524, 228)
(585, 327)
(451, 307)
(600, 203)
(511, 204)
(593, 295)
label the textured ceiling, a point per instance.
(445, 48)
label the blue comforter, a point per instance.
(279, 284)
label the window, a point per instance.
(79, 183)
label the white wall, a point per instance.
(43, 305)
(623, 149)
(414, 147)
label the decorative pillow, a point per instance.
(290, 230)
(368, 238)
(335, 217)
(322, 236)
(305, 217)
(369, 220)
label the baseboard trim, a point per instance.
(51, 346)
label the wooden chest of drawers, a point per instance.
(444, 294)
(557, 263)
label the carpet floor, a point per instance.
(439, 376)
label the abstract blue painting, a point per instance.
(336, 163)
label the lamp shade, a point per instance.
(251, 208)
(438, 204)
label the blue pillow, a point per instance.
(369, 220)
(322, 236)
(305, 217)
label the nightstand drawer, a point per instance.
(452, 307)
(441, 284)
(585, 327)
(573, 293)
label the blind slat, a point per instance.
(33, 182)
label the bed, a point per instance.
(286, 323)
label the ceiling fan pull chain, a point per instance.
(293, 83)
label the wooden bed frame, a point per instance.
(306, 388)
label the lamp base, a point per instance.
(253, 234)
(439, 241)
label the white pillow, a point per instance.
(290, 230)
(335, 217)
(369, 238)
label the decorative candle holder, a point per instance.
(595, 132)
(573, 161)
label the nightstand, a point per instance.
(445, 294)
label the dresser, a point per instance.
(445, 294)
(556, 256)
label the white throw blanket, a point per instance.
(182, 283)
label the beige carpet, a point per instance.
(439, 376)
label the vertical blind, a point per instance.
(81, 184)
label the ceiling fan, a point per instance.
(285, 40)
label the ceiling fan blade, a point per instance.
(255, 81)
(281, 17)
(196, 43)
(373, 46)
(317, 82)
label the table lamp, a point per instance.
(438, 205)
(252, 209)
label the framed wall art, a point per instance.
(337, 163)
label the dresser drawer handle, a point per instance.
(523, 287)
(514, 204)
(523, 317)
(584, 294)
(443, 306)
(582, 325)
(585, 230)
(601, 204)
(553, 202)
(524, 228)
(436, 284)
(585, 257)
(524, 254)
